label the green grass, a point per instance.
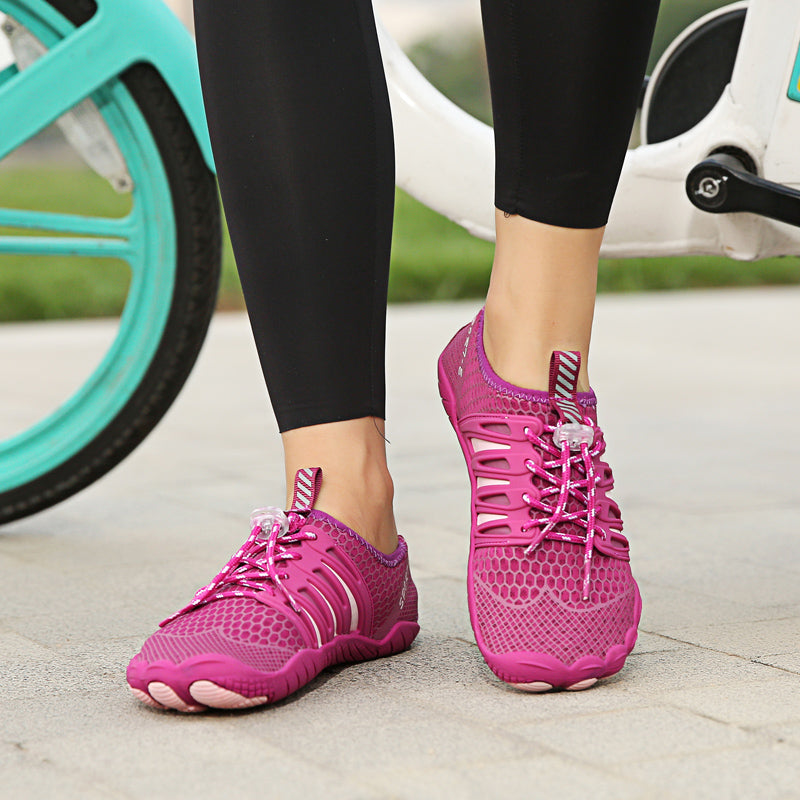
(694, 272)
(432, 258)
(58, 286)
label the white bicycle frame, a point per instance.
(445, 157)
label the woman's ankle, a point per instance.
(364, 505)
(541, 298)
(356, 488)
(519, 360)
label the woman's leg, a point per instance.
(299, 117)
(565, 79)
(551, 596)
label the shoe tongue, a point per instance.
(564, 369)
(306, 488)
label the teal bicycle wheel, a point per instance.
(170, 240)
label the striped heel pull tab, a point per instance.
(306, 488)
(564, 369)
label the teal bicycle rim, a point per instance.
(145, 239)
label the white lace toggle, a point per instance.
(574, 434)
(266, 519)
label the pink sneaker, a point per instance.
(304, 592)
(551, 596)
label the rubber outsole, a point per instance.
(221, 682)
(524, 669)
(534, 672)
(540, 686)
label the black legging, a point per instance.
(299, 116)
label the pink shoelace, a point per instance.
(254, 567)
(571, 448)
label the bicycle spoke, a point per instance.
(103, 237)
(66, 246)
(119, 227)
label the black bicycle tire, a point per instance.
(199, 246)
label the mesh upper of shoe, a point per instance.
(241, 627)
(533, 602)
(264, 637)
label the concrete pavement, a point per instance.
(698, 397)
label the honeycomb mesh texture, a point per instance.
(533, 603)
(240, 627)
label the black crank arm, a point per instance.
(721, 184)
